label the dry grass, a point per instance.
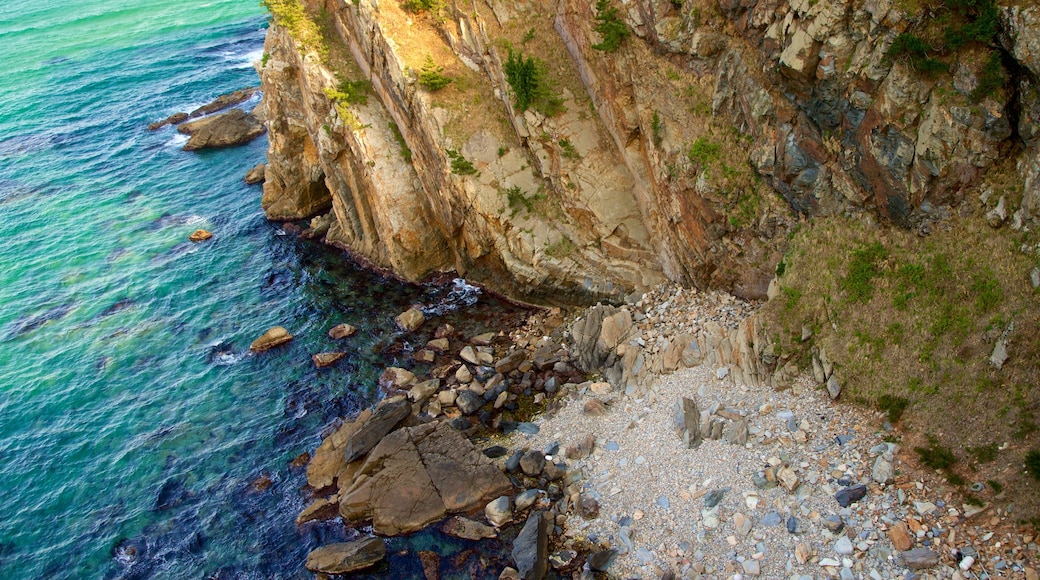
(914, 320)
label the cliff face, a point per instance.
(685, 154)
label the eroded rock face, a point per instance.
(795, 106)
(416, 476)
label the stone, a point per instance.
(468, 401)
(346, 557)
(834, 524)
(843, 547)
(714, 497)
(393, 378)
(424, 390)
(741, 524)
(751, 567)
(256, 174)
(588, 507)
(320, 509)
(1034, 277)
(802, 553)
(847, 496)
(469, 354)
(410, 320)
(1000, 350)
(511, 362)
(833, 387)
(526, 499)
(468, 529)
(341, 331)
(463, 375)
(883, 471)
(601, 561)
(919, 558)
(275, 336)
(787, 478)
(562, 558)
(531, 547)
(532, 463)
(687, 422)
(372, 431)
(438, 345)
(901, 537)
(326, 359)
(594, 408)
(235, 127)
(499, 511)
(737, 433)
(417, 475)
(772, 519)
(199, 236)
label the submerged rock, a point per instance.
(325, 359)
(275, 336)
(346, 557)
(341, 331)
(200, 236)
(410, 319)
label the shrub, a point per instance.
(704, 151)
(864, 266)
(894, 406)
(431, 76)
(1033, 463)
(990, 79)
(518, 200)
(459, 164)
(610, 27)
(938, 457)
(657, 129)
(567, 150)
(421, 5)
(526, 77)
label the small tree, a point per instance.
(431, 76)
(610, 27)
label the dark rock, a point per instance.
(588, 508)
(513, 463)
(531, 547)
(834, 524)
(173, 119)
(495, 451)
(532, 463)
(713, 497)
(602, 560)
(382, 421)
(511, 362)
(849, 495)
(507, 427)
(919, 558)
(224, 101)
(562, 558)
(771, 519)
(346, 557)
(468, 529)
(792, 525)
(468, 401)
(235, 127)
(461, 423)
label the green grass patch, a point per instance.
(985, 453)
(657, 129)
(864, 267)
(561, 249)
(406, 153)
(518, 200)
(935, 455)
(893, 406)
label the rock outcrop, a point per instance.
(235, 127)
(686, 154)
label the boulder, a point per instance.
(325, 359)
(410, 319)
(499, 511)
(329, 461)
(511, 362)
(531, 548)
(321, 509)
(275, 336)
(347, 556)
(468, 529)
(224, 101)
(235, 127)
(369, 433)
(341, 331)
(468, 401)
(396, 378)
(199, 236)
(424, 390)
(256, 174)
(416, 476)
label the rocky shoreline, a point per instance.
(664, 450)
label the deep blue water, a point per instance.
(133, 421)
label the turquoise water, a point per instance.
(133, 421)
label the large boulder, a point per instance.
(275, 336)
(235, 127)
(347, 556)
(329, 461)
(531, 547)
(418, 475)
(372, 431)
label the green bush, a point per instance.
(1033, 463)
(567, 150)
(657, 128)
(421, 5)
(432, 77)
(526, 76)
(893, 406)
(991, 79)
(705, 152)
(460, 165)
(610, 27)
(938, 457)
(406, 152)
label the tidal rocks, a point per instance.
(410, 319)
(256, 174)
(235, 127)
(326, 359)
(199, 236)
(417, 475)
(347, 556)
(341, 331)
(372, 431)
(275, 336)
(499, 511)
(468, 529)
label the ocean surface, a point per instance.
(138, 436)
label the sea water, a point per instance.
(138, 436)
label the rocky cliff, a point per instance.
(686, 152)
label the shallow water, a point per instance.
(134, 424)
